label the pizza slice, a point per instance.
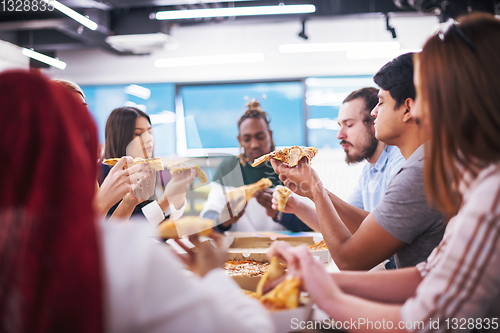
(187, 225)
(153, 163)
(246, 192)
(289, 156)
(285, 295)
(283, 192)
(178, 167)
(273, 272)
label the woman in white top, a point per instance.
(457, 77)
(63, 271)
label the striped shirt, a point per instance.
(460, 291)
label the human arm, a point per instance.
(218, 208)
(114, 187)
(302, 210)
(176, 189)
(362, 250)
(299, 180)
(149, 291)
(332, 299)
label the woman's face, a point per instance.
(142, 144)
(255, 138)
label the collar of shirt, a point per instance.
(382, 160)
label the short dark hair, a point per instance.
(119, 130)
(370, 96)
(396, 77)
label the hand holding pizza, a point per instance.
(301, 179)
(178, 186)
(114, 187)
(205, 257)
(290, 205)
(264, 198)
(316, 280)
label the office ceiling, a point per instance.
(48, 32)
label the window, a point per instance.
(212, 113)
(157, 100)
(324, 97)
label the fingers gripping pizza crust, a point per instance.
(247, 191)
(289, 156)
(186, 166)
(284, 193)
(187, 225)
(153, 163)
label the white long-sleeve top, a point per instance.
(147, 290)
(255, 217)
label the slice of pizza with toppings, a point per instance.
(283, 193)
(178, 167)
(153, 163)
(289, 156)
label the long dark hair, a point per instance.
(459, 93)
(119, 131)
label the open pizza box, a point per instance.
(243, 245)
(282, 319)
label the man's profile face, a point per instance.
(388, 119)
(357, 138)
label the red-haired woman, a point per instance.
(63, 271)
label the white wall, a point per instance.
(101, 67)
(11, 57)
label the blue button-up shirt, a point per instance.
(375, 177)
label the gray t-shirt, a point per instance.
(406, 215)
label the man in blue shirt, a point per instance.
(357, 135)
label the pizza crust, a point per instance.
(289, 156)
(284, 193)
(186, 166)
(153, 163)
(187, 225)
(246, 192)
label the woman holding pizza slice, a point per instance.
(128, 132)
(255, 139)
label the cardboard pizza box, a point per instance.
(254, 245)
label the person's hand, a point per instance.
(204, 257)
(143, 184)
(316, 280)
(300, 263)
(178, 186)
(301, 179)
(114, 187)
(232, 211)
(264, 198)
(291, 203)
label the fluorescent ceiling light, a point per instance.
(234, 11)
(338, 47)
(325, 99)
(45, 59)
(378, 54)
(210, 60)
(138, 91)
(73, 14)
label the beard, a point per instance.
(369, 147)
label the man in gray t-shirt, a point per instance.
(403, 223)
(405, 214)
